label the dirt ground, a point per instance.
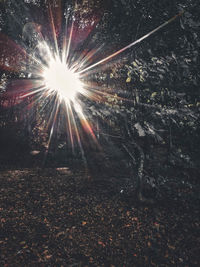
(53, 217)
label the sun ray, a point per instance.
(69, 42)
(84, 59)
(69, 126)
(131, 44)
(53, 30)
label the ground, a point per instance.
(55, 217)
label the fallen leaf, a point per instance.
(48, 257)
(101, 243)
(171, 247)
(149, 244)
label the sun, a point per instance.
(59, 78)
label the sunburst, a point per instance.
(58, 77)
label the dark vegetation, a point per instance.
(134, 199)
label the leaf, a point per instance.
(149, 244)
(101, 243)
(127, 225)
(171, 247)
(60, 233)
(140, 130)
(48, 256)
(128, 80)
(153, 94)
(135, 64)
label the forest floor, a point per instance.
(54, 217)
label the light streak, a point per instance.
(130, 45)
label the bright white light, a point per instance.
(78, 108)
(58, 78)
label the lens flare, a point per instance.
(60, 79)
